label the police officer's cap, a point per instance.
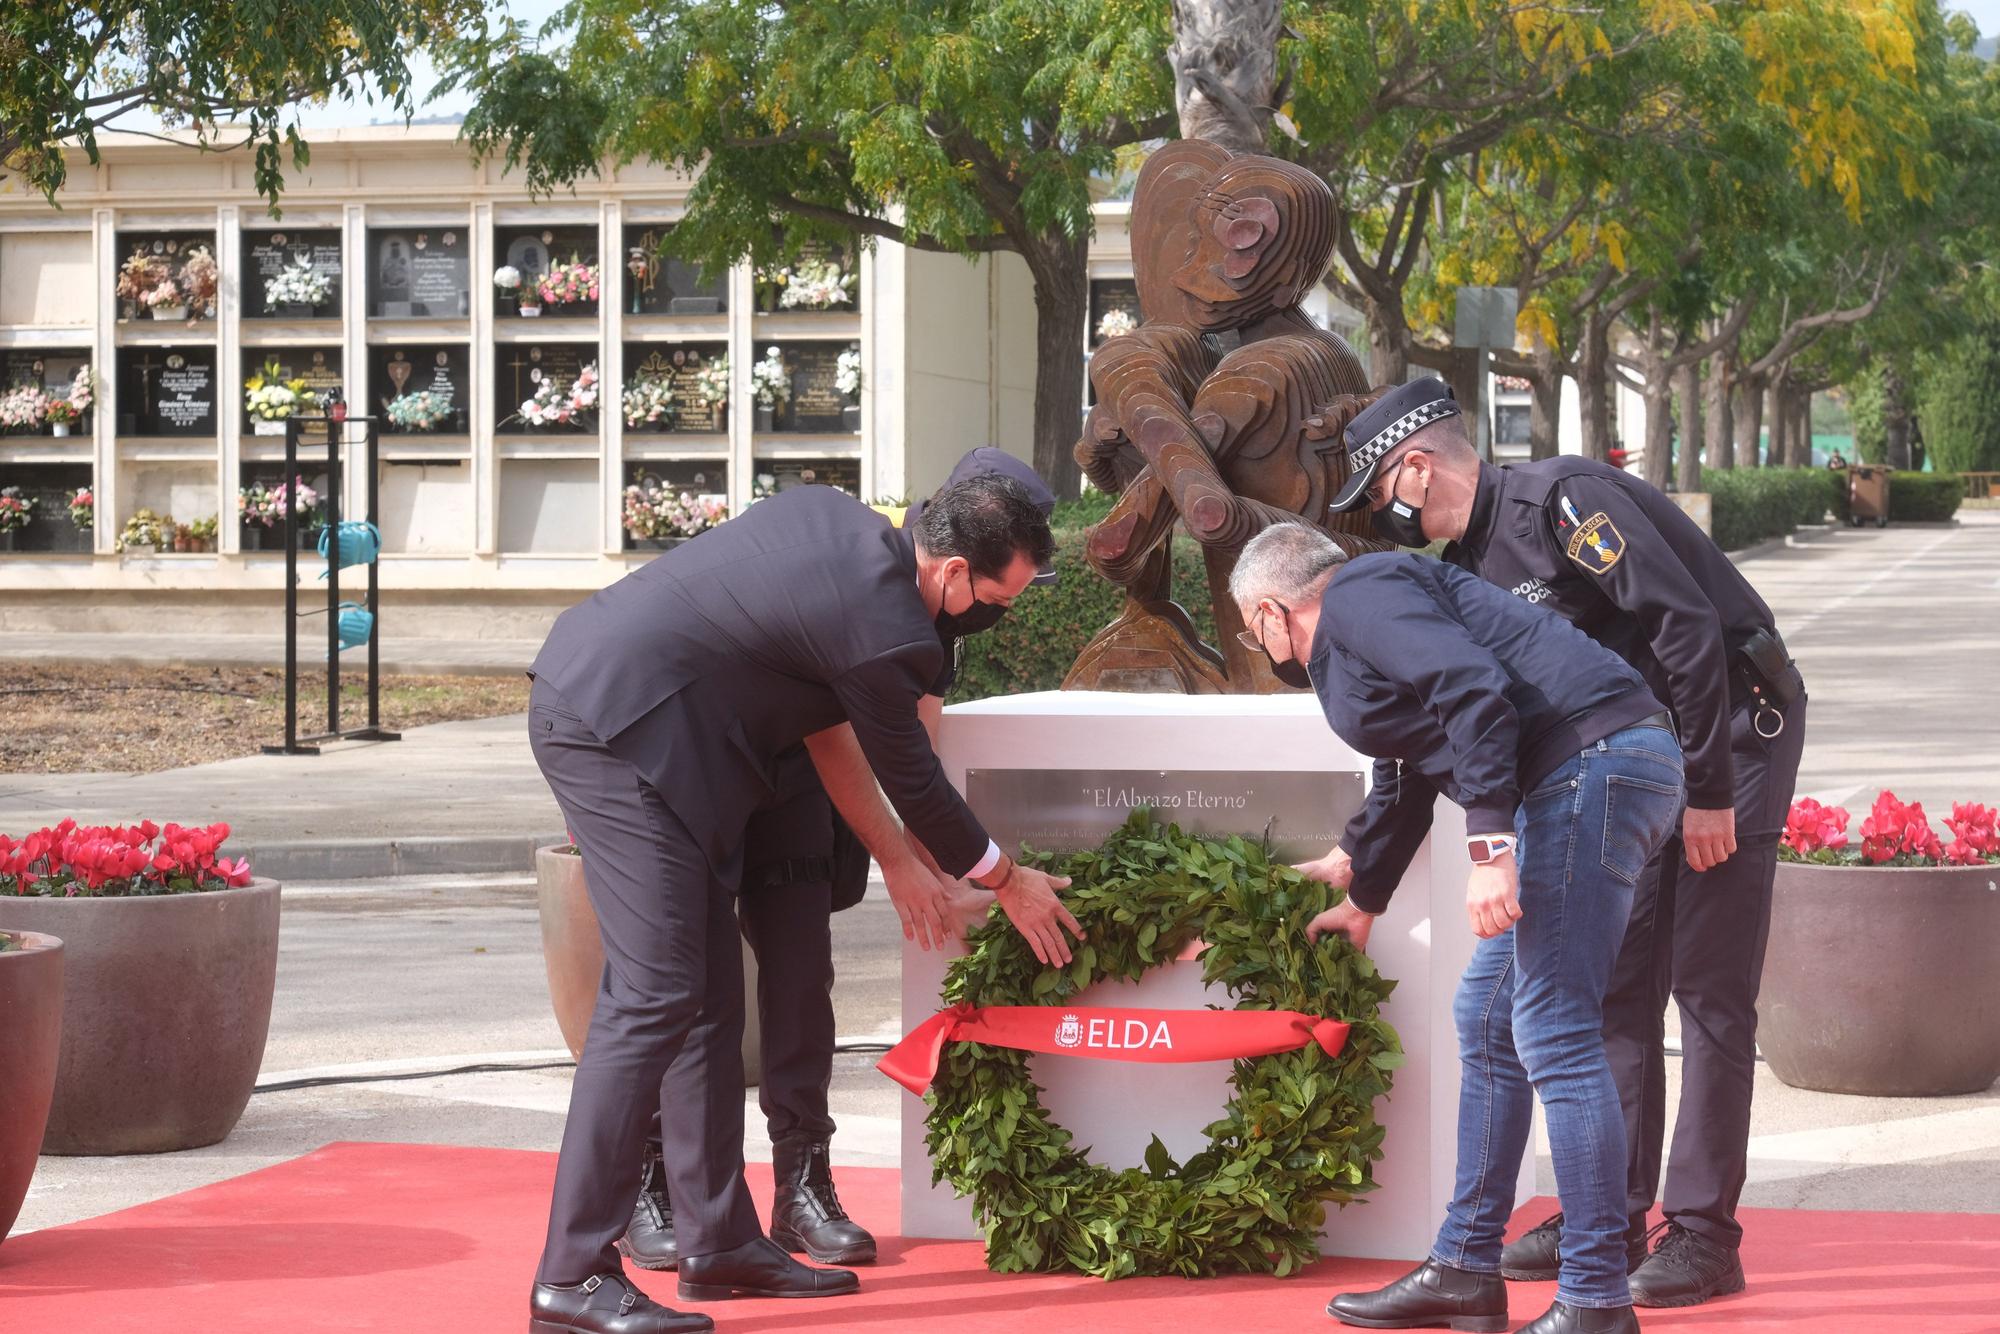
(987, 461)
(1388, 422)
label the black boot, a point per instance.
(1535, 1256)
(649, 1242)
(806, 1214)
(1562, 1318)
(1686, 1269)
(1431, 1296)
(758, 1268)
(605, 1304)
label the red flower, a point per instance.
(1894, 830)
(1811, 826)
(236, 873)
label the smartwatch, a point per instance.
(1484, 848)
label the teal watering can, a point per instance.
(356, 624)
(360, 543)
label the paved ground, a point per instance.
(400, 653)
(1895, 630)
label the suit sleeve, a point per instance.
(1385, 833)
(1644, 578)
(1413, 641)
(880, 699)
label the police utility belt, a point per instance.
(1763, 672)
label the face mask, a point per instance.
(979, 616)
(1292, 671)
(1399, 521)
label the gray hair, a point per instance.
(1286, 562)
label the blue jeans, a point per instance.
(1530, 1013)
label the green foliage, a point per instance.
(1958, 404)
(1034, 645)
(1866, 402)
(1924, 497)
(67, 70)
(1299, 1132)
(1752, 504)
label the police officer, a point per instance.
(1569, 777)
(802, 864)
(1623, 563)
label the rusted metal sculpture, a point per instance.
(1222, 412)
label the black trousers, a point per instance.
(668, 1029)
(1699, 937)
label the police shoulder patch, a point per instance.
(1595, 543)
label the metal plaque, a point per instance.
(1063, 810)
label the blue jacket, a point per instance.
(1457, 687)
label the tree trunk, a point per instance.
(1062, 308)
(1720, 433)
(1593, 386)
(1895, 418)
(1388, 343)
(1803, 458)
(1688, 478)
(1749, 423)
(1545, 388)
(1774, 455)
(1463, 377)
(1225, 62)
(1659, 396)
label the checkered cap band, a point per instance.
(1396, 432)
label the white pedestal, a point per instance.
(1116, 1108)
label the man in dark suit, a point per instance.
(801, 864)
(660, 707)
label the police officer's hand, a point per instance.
(1493, 896)
(1028, 897)
(920, 896)
(1708, 837)
(1344, 919)
(1336, 869)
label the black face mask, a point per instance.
(1399, 521)
(1292, 672)
(979, 616)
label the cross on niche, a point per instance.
(146, 368)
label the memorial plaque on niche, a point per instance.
(268, 254)
(779, 475)
(664, 284)
(681, 368)
(817, 404)
(424, 274)
(697, 477)
(433, 369)
(525, 369)
(1064, 810)
(1108, 295)
(534, 252)
(53, 370)
(173, 388)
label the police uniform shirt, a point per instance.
(1622, 562)
(1456, 688)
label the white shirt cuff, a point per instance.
(986, 863)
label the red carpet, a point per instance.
(415, 1238)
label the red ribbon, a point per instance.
(1108, 1033)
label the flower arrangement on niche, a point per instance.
(647, 400)
(568, 284)
(265, 507)
(82, 508)
(653, 511)
(1115, 324)
(770, 382)
(847, 371)
(296, 285)
(421, 410)
(814, 284)
(271, 397)
(557, 404)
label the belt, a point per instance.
(1662, 719)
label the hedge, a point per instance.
(1034, 645)
(1915, 497)
(1752, 504)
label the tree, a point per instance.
(1958, 402)
(235, 73)
(966, 127)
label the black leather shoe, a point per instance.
(1686, 1269)
(606, 1304)
(649, 1241)
(1431, 1296)
(806, 1214)
(1562, 1318)
(758, 1268)
(1535, 1256)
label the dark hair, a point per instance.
(988, 521)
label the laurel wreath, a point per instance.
(1299, 1131)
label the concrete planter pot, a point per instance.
(166, 1007)
(31, 1000)
(1908, 1007)
(574, 955)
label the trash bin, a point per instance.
(1868, 496)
